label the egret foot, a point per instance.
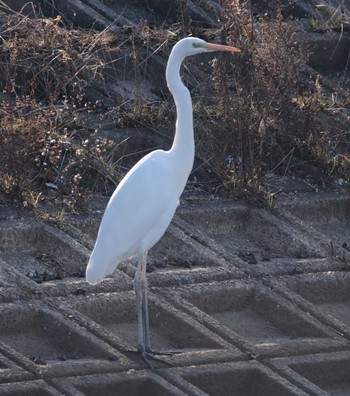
(148, 355)
(162, 353)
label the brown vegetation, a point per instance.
(253, 114)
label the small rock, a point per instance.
(345, 246)
(248, 257)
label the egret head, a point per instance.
(193, 45)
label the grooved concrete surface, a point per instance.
(256, 302)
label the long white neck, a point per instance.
(183, 145)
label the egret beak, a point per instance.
(219, 47)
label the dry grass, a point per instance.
(45, 70)
(51, 75)
(254, 106)
(253, 113)
(256, 127)
(329, 17)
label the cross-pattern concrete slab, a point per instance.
(240, 378)
(320, 374)
(254, 303)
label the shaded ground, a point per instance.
(256, 302)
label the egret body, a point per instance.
(143, 205)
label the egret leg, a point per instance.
(137, 285)
(142, 313)
(144, 288)
(143, 345)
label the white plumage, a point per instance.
(143, 205)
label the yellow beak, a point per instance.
(219, 47)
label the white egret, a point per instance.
(142, 206)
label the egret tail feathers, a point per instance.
(93, 274)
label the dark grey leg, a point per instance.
(144, 287)
(138, 285)
(144, 339)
